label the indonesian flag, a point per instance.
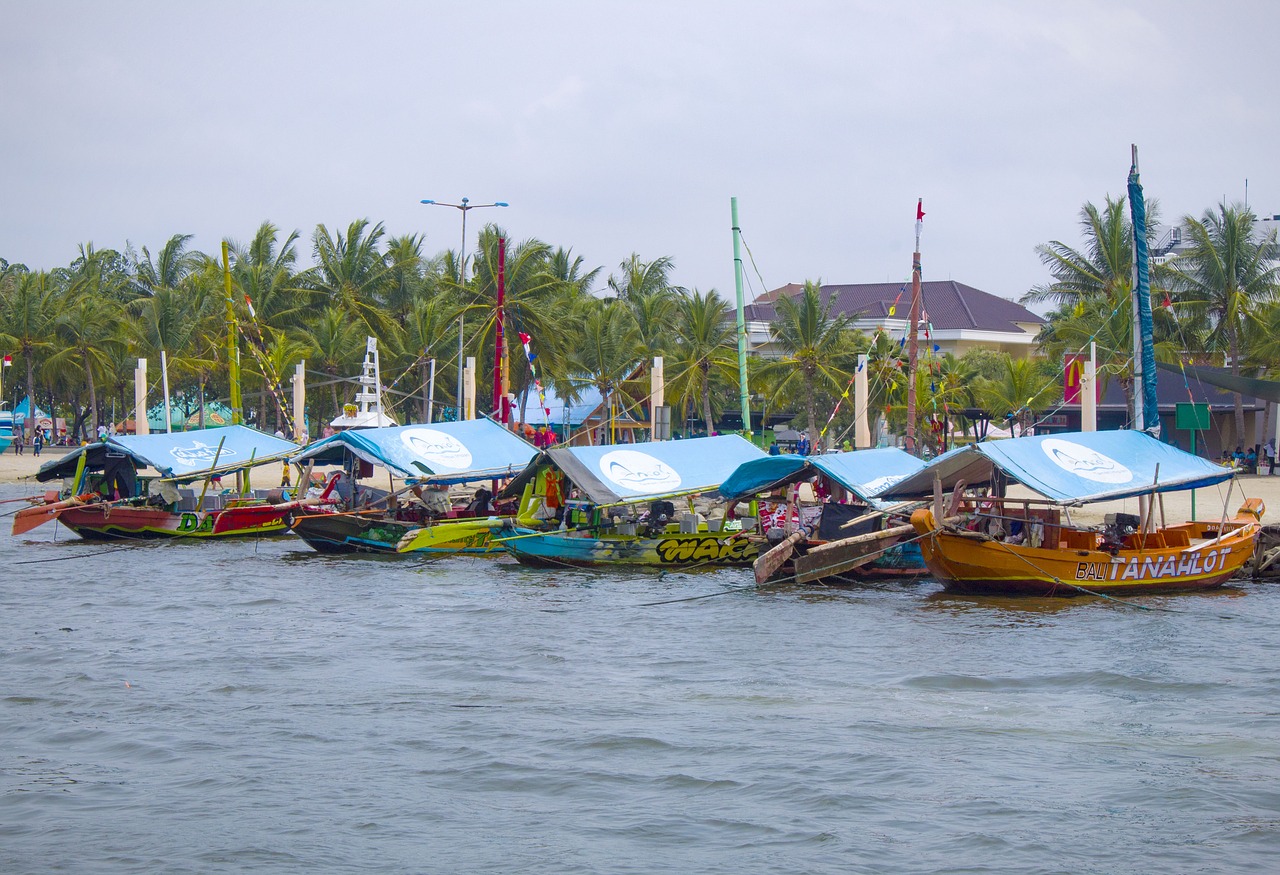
(8, 360)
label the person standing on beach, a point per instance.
(1269, 455)
(17, 444)
(37, 442)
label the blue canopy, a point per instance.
(863, 472)
(569, 413)
(442, 452)
(180, 456)
(660, 469)
(1071, 468)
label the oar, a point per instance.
(31, 517)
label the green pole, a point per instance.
(233, 348)
(1193, 492)
(742, 323)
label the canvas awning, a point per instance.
(862, 472)
(180, 456)
(621, 473)
(443, 452)
(1071, 468)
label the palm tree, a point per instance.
(352, 275)
(171, 265)
(816, 347)
(702, 341)
(265, 271)
(534, 301)
(337, 347)
(1104, 266)
(1094, 285)
(28, 309)
(427, 336)
(568, 268)
(642, 277)
(1021, 386)
(1224, 275)
(607, 351)
(90, 327)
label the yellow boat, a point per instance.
(1070, 561)
(992, 545)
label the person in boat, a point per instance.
(435, 500)
(482, 503)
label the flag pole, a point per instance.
(913, 334)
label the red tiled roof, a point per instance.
(950, 305)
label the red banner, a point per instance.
(1072, 377)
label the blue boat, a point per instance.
(854, 537)
(6, 429)
(614, 506)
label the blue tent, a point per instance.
(863, 472)
(1071, 467)
(442, 452)
(572, 414)
(20, 412)
(661, 469)
(181, 455)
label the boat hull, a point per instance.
(966, 563)
(685, 550)
(375, 533)
(104, 523)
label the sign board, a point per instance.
(1192, 417)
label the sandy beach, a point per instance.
(22, 469)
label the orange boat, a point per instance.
(991, 545)
(1173, 558)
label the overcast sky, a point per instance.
(619, 127)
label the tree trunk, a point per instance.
(28, 425)
(1235, 371)
(706, 396)
(810, 409)
(93, 395)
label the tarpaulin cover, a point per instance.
(660, 469)
(1071, 468)
(188, 455)
(865, 473)
(442, 452)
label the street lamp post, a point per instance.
(462, 273)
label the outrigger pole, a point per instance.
(742, 325)
(233, 348)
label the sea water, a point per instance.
(252, 706)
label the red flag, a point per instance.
(8, 360)
(920, 210)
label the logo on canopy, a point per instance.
(638, 472)
(437, 448)
(1084, 462)
(200, 454)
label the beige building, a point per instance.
(960, 317)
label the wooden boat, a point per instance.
(993, 545)
(106, 496)
(612, 505)
(850, 537)
(419, 515)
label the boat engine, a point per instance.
(1121, 525)
(660, 513)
